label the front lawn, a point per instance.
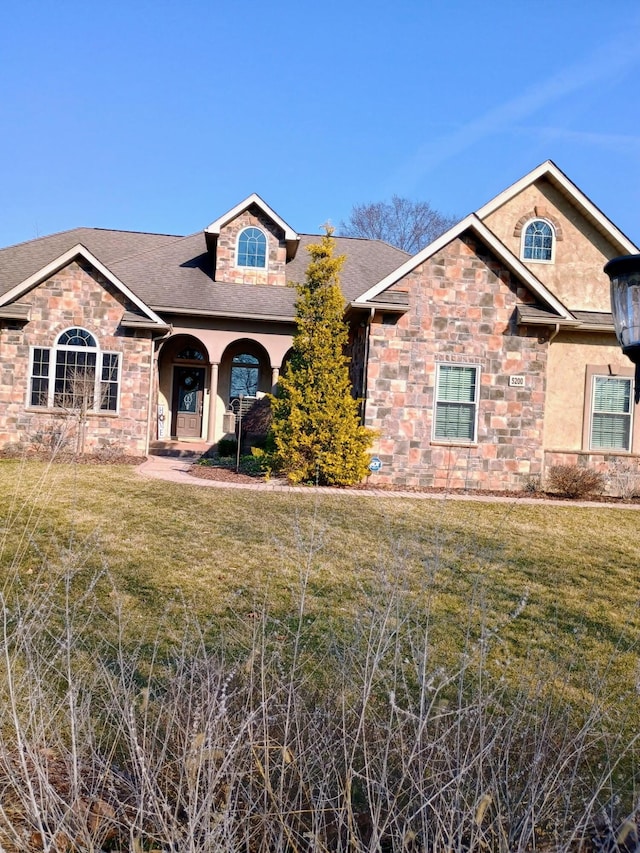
(422, 610)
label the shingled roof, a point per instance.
(171, 273)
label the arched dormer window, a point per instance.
(538, 239)
(252, 248)
(74, 374)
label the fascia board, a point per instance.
(230, 315)
(415, 261)
(61, 261)
(548, 169)
(254, 198)
(387, 307)
(472, 223)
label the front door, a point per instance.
(188, 394)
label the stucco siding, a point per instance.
(575, 276)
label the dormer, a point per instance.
(251, 244)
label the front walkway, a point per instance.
(176, 470)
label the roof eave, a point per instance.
(557, 177)
(214, 312)
(470, 223)
(387, 307)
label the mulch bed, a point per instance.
(228, 475)
(222, 474)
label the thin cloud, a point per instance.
(612, 60)
(625, 143)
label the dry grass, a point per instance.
(365, 670)
(237, 552)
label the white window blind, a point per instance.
(456, 398)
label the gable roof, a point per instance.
(22, 260)
(569, 190)
(474, 224)
(169, 273)
(212, 232)
(56, 264)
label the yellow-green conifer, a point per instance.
(316, 426)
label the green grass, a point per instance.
(226, 554)
(444, 650)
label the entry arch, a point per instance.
(183, 399)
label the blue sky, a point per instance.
(160, 116)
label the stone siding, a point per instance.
(462, 311)
(75, 296)
(621, 472)
(226, 269)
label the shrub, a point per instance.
(227, 447)
(316, 420)
(369, 745)
(571, 481)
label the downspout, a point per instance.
(554, 333)
(365, 366)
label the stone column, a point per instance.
(275, 375)
(213, 400)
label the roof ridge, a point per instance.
(44, 237)
(133, 231)
(87, 228)
(154, 249)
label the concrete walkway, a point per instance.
(176, 470)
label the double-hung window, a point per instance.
(611, 413)
(74, 374)
(456, 404)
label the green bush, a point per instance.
(316, 421)
(227, 447)
(572, 481)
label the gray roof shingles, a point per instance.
(169, 272)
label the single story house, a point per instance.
(481, 361)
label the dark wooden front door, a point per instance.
(188, 395)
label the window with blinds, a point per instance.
(611, 413)
(456, 402)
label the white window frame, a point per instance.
(593, 413)
(529, 222)
(50, 377)
(475, 403)
(266, 250)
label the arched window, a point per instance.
(252, 248)
(245, 376)
(190, 354)
(537, 241)
(74, 374)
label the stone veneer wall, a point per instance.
(226, 269)
(461, 311)
(621, 472)
(75, 296)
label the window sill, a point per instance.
(442, 442)
(61, 413)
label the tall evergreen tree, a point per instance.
(316, 426)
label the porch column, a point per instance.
(275, 375)
(213, 400)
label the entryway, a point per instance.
(188, 401)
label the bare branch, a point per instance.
(409, 225)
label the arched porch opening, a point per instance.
(183, 388)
